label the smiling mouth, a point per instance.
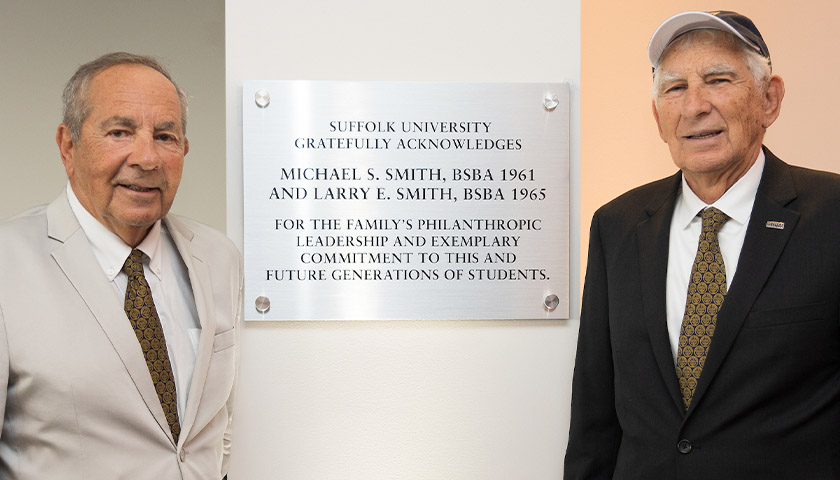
(136, 188)
(701, 136)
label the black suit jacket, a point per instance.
(767, 405)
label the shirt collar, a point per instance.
(108, 247)
(737, 202)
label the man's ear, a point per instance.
(66, 147)
(773, 100)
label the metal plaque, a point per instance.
(397, 200)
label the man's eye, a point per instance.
(674, 88)
(118, 133)
(165, 137)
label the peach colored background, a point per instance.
(620, 146)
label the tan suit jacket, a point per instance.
(76, 397)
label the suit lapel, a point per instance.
(200, 282)
(652, 236)
(761, 250)
(76, 259)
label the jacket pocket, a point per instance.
(224, 340)
(787, 316)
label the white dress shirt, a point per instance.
(169, 281)
(737, 203)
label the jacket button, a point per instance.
(182, 455)
(684, 446)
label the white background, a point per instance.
(402, 399)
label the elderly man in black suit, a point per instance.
(718, 358)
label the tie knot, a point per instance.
(134, 263)
(713, 219)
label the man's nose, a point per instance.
(696, 101)
(145, 154)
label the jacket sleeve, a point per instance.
(227, 438)
(595, 433)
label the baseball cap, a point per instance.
(731, 22)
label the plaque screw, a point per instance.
(550, 101)
(551, 302)
(263, 304)
(262, 98)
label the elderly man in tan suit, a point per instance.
(119, 323)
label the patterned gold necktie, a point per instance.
(144, 319)
(706, 291)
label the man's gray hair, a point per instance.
(75, 96)
(758, 65)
